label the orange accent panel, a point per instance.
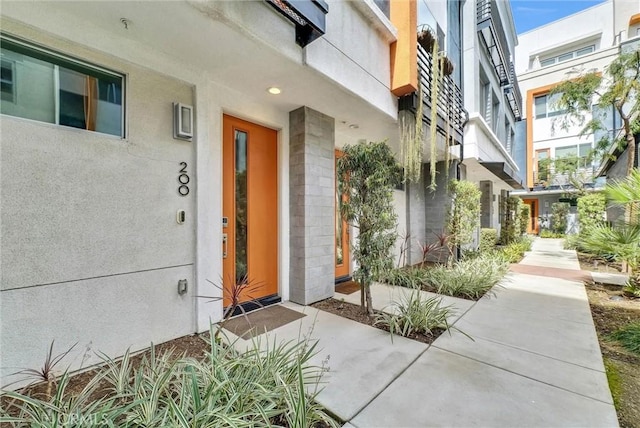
(342, 269)
(635, 19)
(404, 51)
(262, 205)
(533, 226)
(531, 94)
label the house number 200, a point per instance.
(183, 179)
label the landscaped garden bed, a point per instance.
(355, 313)
(190, 381)
(613, 313)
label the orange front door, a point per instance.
(532, 227)
(249, 208)
(342, 235)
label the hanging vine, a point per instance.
(435, 89)
(412, 141)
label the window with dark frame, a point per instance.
(57, 89)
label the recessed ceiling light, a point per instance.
(273, 90)
(354, 126)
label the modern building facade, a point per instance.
(492, 97)
(546, 56)
(148, 163)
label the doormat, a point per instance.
(258, 322)
(348, 287)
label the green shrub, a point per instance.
(467, 278)
(525, 218)
(414, 314)
(629, 337)
(510, 231)
(545, 233)
(264, 386)
(464, 216)
(559, 213)
(591, 210)
(404, 277)
(488, 239)
(514, 252)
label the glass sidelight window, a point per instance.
(241, 204)
(47, 87)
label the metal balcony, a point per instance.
(449, 103)
(307, 15)
(491, 32)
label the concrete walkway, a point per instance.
(534, 361)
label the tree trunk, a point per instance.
(631, 146)
(362, 296)
(369, 303)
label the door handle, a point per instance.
(224, 245)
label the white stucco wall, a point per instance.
(88, 220)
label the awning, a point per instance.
(634, 19)
(505, 173)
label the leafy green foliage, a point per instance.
(464, 216)
(617, 88)
(559, 214)
(413, 313)
(488, 239)
(545, 233)
(368, 173)
(629, 337)
(469, 278)
(264, 386)
(514, 252)
(511, 225)
(525, 217)
(591, 209)
(621, 241)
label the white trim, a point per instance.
(379, 20)
(476, 118)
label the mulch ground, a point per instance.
(355, 313)
(611, 310)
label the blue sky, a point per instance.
(529, 14)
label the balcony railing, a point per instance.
(490, 30)
(449, 104)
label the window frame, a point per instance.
(549, 111)
(555, 59)
(59, 59)
(12, 66)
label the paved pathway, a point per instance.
(534, 361)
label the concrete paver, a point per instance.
(362, 360)
(443, 389)
(610, 278)
(535, 360)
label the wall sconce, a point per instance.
(182, 121)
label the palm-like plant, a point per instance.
(621, 241)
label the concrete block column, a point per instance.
(312, 196)
(486, 203)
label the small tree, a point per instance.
(618, 88)
(368, 173)
(510, 231)
(559, 214)
(591, 210)
(463, 218)
(525, 218)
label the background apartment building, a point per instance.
(492, 97)
(546, 56)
